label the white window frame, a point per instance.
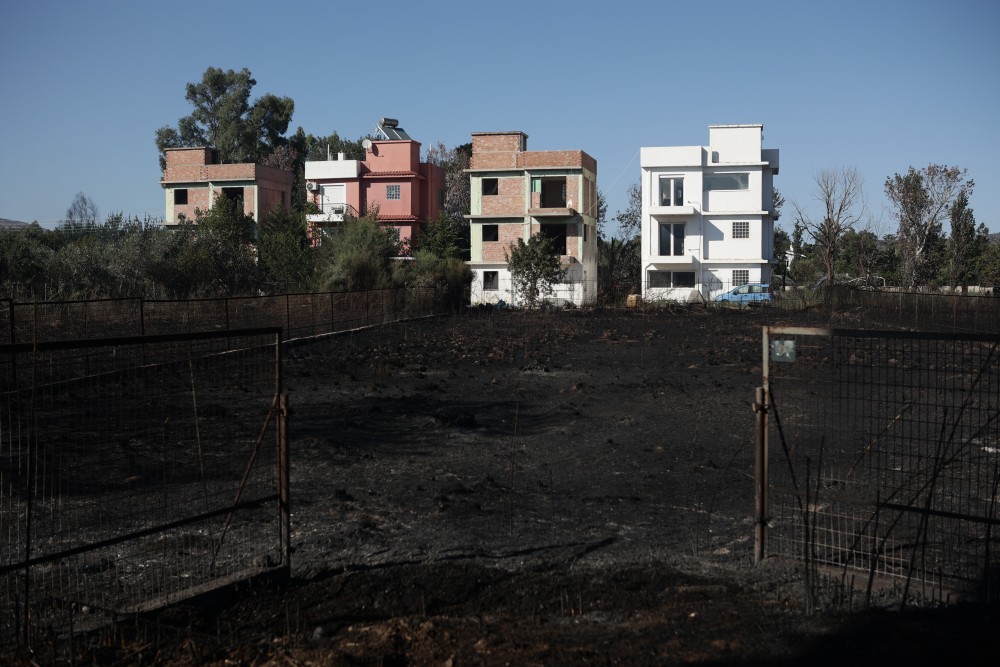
(673, 239)
(673, 196)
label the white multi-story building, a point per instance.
(707, 215)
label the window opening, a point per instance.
(557, 235)
(671, 238)
(671, 190)
(732, 181)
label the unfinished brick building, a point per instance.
(517, 193)
(194, 178)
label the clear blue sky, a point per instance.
(875, 85)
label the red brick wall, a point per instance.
(508, 233)
(509, 201)
(496, 151)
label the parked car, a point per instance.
(749, 294)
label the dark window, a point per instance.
(683, 278)
(671, 239)
(557, 235)
(741, 276)
(180, 196)
(671, 191)
(491, 280)
(491, 186)
(235, 195)
(491, 233)
(671, 278)
(741, 229)
(729, 181)
(553, 194)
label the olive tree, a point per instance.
(534, 268)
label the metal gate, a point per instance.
(878, 453)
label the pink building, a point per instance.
(194, 178)
(406, 191)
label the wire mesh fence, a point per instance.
(883, 456)
(134, 472)
(923, 311)
(299, 315)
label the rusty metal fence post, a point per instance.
(761, 481)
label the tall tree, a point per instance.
(225, 118)
(922, 199)
(630, 220)
(840, 193)
(457, 192)
(534, 268)
(82, 212)
(966, 242)
(782, 246)
(600, 213)
(618, 268)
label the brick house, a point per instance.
(194, 178)
(707, 214)
(407, 192)
(516, 193)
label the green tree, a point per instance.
(449, 275)
(225, 118)
(782, 246)
(285, 257)
(965, 244)
(922, 198)
(357, 255)
(223, 249)
(534, 267)
(25, 254)
(618, 268)
(457, 191)
(443, 239)
(988, 265)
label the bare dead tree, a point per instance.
(840, 193)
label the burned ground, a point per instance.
(555, 488)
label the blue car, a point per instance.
(751, 294)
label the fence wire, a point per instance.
(884, 454)
(135, 472)
(299, 315)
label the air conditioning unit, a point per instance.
(338, 209)
(312, 187)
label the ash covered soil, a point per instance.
(545, 488)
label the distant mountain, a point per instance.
(11, 224)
